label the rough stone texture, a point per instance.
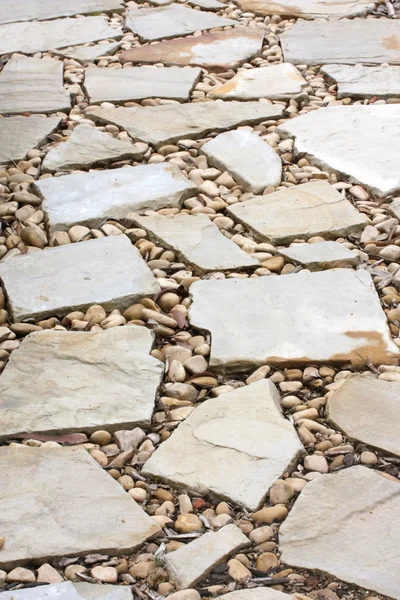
(363, 82)
(195, 561)
(367, 410)
(207, 4)
(321, 255)
(320, 42)
(60, 381)
(339, 320)
(91, 198)
(244, 428)
(394, 207)
(70, 591)
(40, 10)
(302, 211)
(33, 85)
(53, 490)
(18, 135)
(276, 82)
(138, 83)
(160, 125)
(347, 524)
(248, 158)
(220, 50)
(107, 271)
(171, 21)
(308, 9)
(258, 593)
(362, 142)
(85, 54)
(197, 241)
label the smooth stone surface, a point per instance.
(339, 320)
(85, 54)
(367, 410)
(91, 198)
(248, 158)
(53, 490)
(207, 4)
(308, 9)
(197, 241)
(219, 50)
(33, 85)
(347, 524)
(302, 211)
(363, 82)
(18, 135)
(321, 255)
(107, 271)
(195, 561)
(39, 10)
(160, 125)
(257, 593)
(361, 142)
(70, 591)
(171, 21)
(244, 428)
(276, 82)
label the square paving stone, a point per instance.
(10, 12)
(70, 591)
(363, 82)
(321, 255)
(18, 135)
(339, 320)
(58, 502)
(107, 271)
(308, 9)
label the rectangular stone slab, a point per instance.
(363, 82)
(53, 490)
(308, 9)
(18, 135)
(39, 10)
(321, 255)
(70, 591)
(56, 281)
(339, 320)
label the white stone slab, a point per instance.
(18, 135)
(361, 142)
(363, 82)
(243, 428)
(248, 158)
(321, 255)
(77, 507)
(86, 54)
(91, 198)
(107, 271)
(308, 9)
(39, 10)
(207, 4)
(301, 211)
(70, 591)
(339, 320)
(347, 524)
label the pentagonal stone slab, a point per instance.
(49, 9)
(321, 255)
(302, 211)
(70, 591)
(18, 135)
(107, 271)
(308, 9)
(86, 54)
(341, 524)
(363, 82)
(245, 428)
(53, 490)
(339, 320)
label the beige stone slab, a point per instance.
(86, 54)
(18, 135)
(207, 4)
(308, 9)
(39, 10)
(321, 255)
(363, 82)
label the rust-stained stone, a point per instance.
(308, 9)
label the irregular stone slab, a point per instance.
(250, 160)
(302, 211)
(367, 410)
(92, 198)
(245, 428)
(18, 135)
(107, 271)
(138, 83)
(191, 563)
(197, 241)
(363, 82)
(339, 320)
(50, 9)
(171, 21)
(207, 4)
(220, 50)
(362, 142)
(87, 54)
(394, 207)
(321, 255)
(160, 125)
(308, 9)
(341, 523)
(70, 591)
(36, 36)
(257, 593)
(277, 82)
(320, 42)
(33, 85)
(53, 490)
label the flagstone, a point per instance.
(363, 82)
(18, 135)
(257, 593)
(86, 54)
(308, 9)
(394, 207)
(207, 4)
(91, 198)
(338, 321)
(347, 524)
(321, 255)
(244, 428)
(107, 271)
(49, 9)
(362, 142)
(70, 591)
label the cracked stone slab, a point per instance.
(361, 142)
(91, 198)
(366, 409)
(339, 320)
(171, 21)
(321, 255)
(248, 158)
(363, 82)
(341, 523)
(160, 125)
(70, 591)
(197, 241)
(18, 135)
(51, 490)
(33, 85)
(107, 271)
(86, 54)
(302, 211)
(40, 10)
(308, 9)
(257, 593)
(244, 427)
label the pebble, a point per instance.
(315, 462)
(280, 492)
(188, 523)
(270, 514)
(105, 574)
(20, 575)
(238, 571)
(188, 594)
(261, 534)
(48, 574)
